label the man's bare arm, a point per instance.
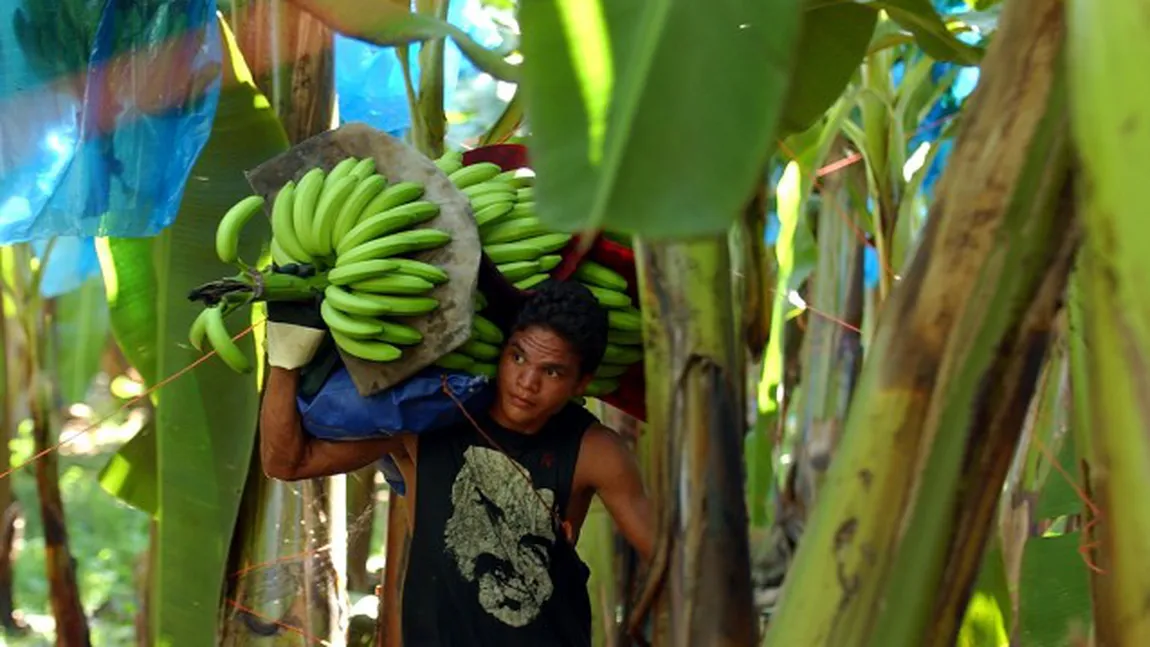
(613, 471)
(288, 454)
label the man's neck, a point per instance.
(526, 429)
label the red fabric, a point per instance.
(631, 395)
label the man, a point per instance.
(498, 500)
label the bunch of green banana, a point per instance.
(480, 354)
(356, 231)
(624, 325)
(503, 203)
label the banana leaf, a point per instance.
(613, 127)
(82, 326)
(205, 420)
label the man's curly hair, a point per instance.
(569, 310)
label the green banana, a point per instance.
(455, 362)
(510, 252)
(526, 194)
(549, 243)
(600, 387)
(448, 166)
(198, 330)
(485, 330)
(484, 369)
(368, 349)
(609, 298)
(518, 178)
(627, 319)
(394, 283)
(283, 225)
(361, 303)
(326, 211)
(615, 354)
(279, 256)
(303, 209)
(523, 210)
(513, 231)
(348, 324)
(425, 271)
(532, 281)
(399, 334)
(404, 242)
(221, 340)
(364, 168)
(488, 188)
(474, 174)
(624, 337)
(228, 231)
(337, 172)
(593, 273)
(518, 270)
(480, 301)
(492, 213)
(363, 270)
(488, 199)
(349, 214)
(549, 262)
(609, 371)
(479, 350)
(393, 196)
(390, 221)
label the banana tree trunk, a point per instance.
(43, 403)
(9, 508)
(699, 583)
(360, 523)
(290, 55)
(1111, 127)
(890, 552)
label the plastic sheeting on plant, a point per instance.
(369, 79)
(104, 107)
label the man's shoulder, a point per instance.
(601, 442)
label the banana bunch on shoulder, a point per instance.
(480, 354)
(624, 325)
(504, 206)
(357, 232)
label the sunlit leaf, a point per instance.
(920, 18)
(626, 99)
(82, 331)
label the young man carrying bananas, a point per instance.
(497, 502)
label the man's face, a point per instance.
(538, 374)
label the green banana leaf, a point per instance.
(931, 33)
(832, 43)
(206, 419)
(82, 328)
(614, 125)
(1054, 596)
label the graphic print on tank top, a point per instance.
(499, 535)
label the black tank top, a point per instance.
(488, 563)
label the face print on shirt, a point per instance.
(499, 534)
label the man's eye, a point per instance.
(517, 358)
(552, 373)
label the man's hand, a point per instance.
(295, 329)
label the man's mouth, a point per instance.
(521, 403)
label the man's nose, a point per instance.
(529, 380)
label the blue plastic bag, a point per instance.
(99, 133)
(418, 405)
(71, 262)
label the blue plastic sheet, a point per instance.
(102, 119)
(369, 79)
(70, 263)
(418, 405)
